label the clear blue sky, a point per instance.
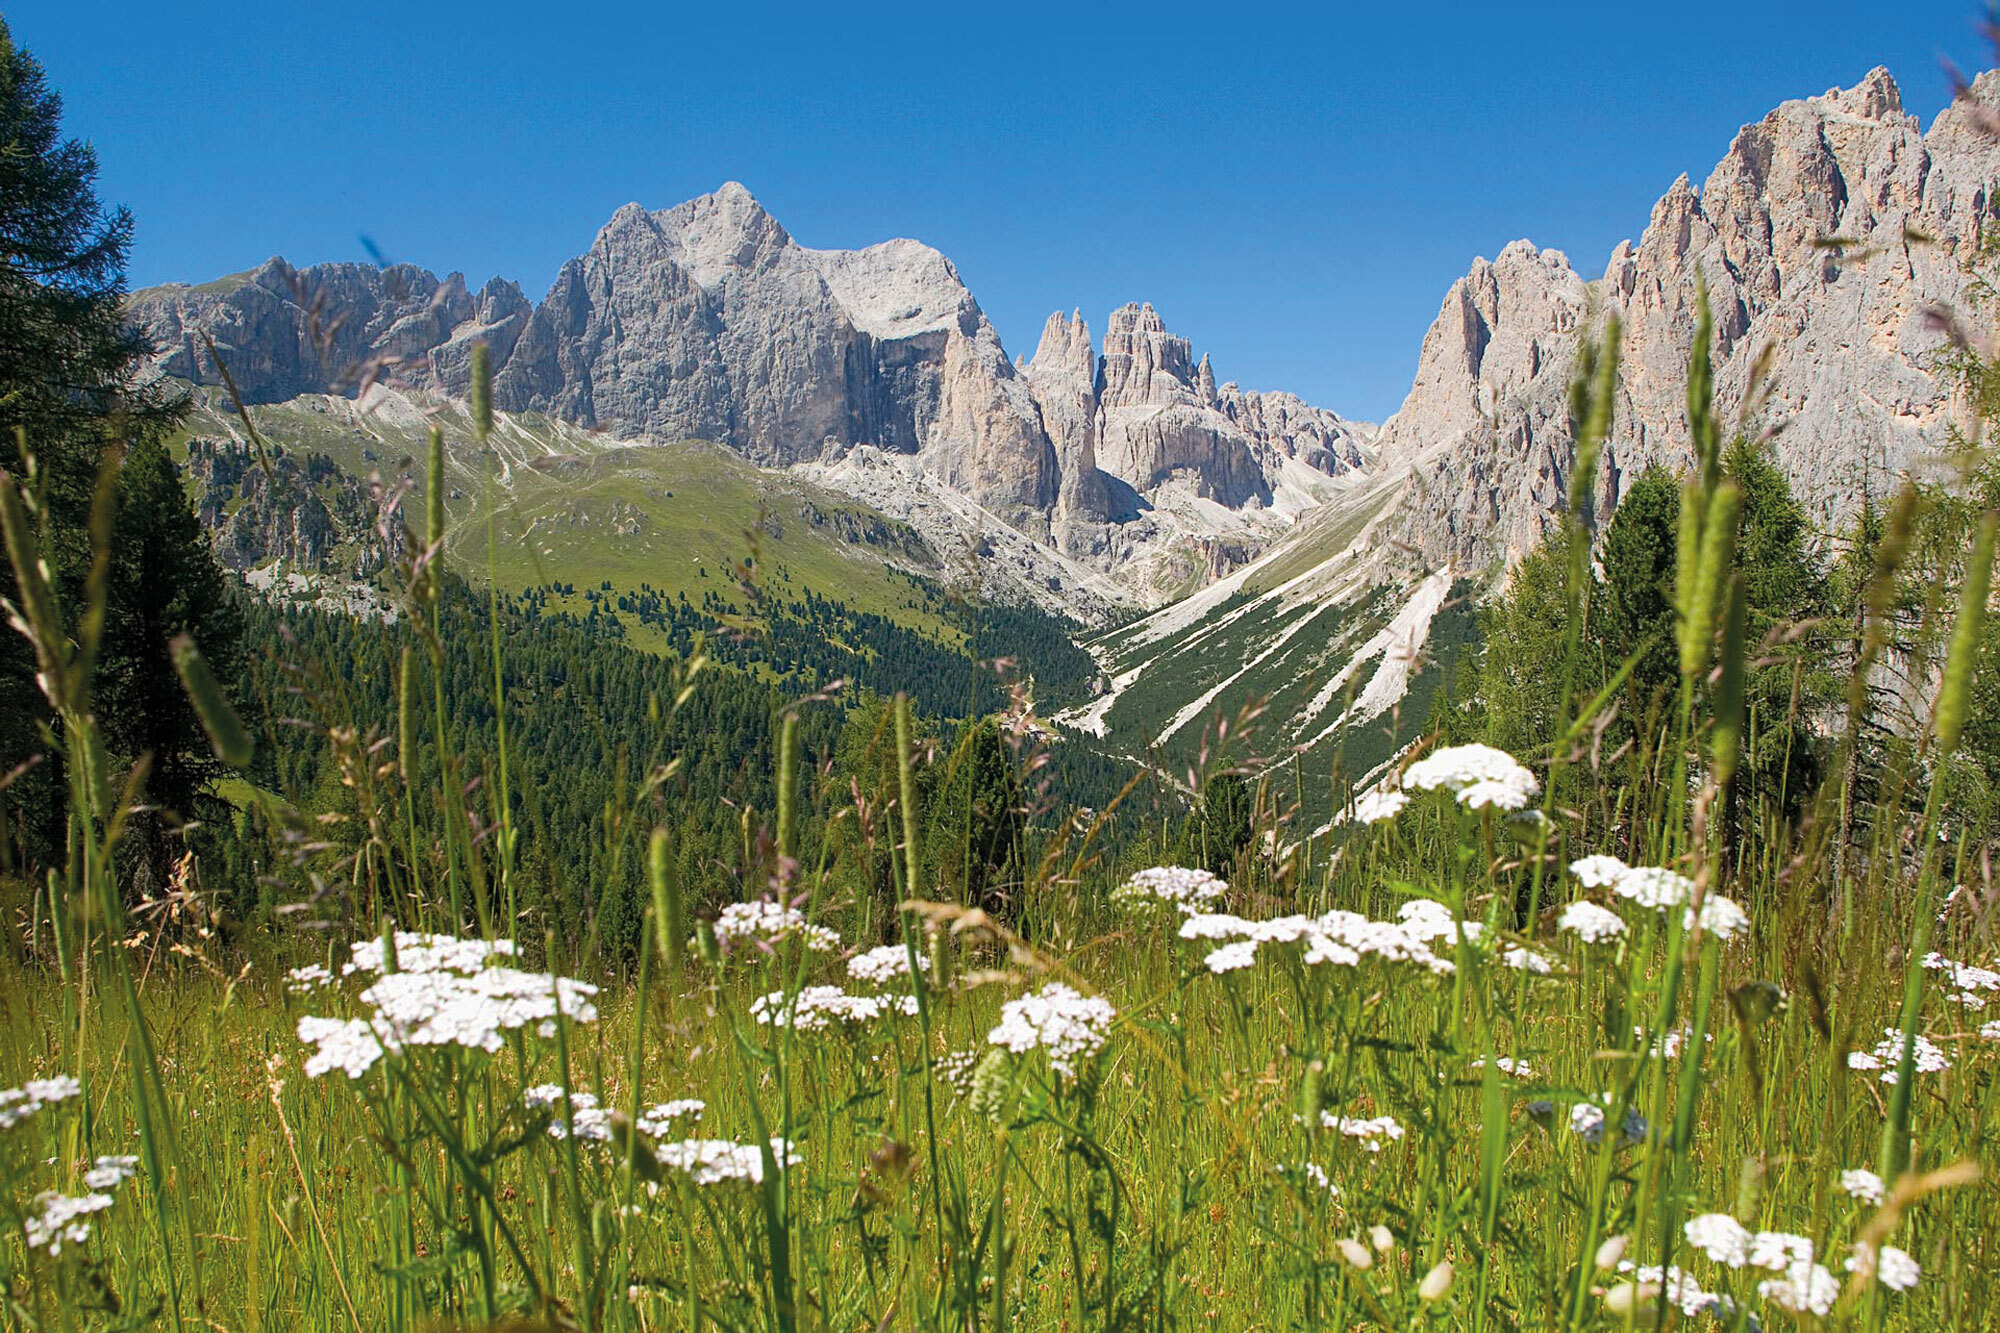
(1293, 190)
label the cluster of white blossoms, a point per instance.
(1312, 1174)
(1376, 806)
(1481, 777)
(592, 1122)
(1803, 1285)
(723, 1161)
(418, 951)
(1069, 1027)
(63, 1219)
(443, 992)
(767, 923)
(1592, 924)
(17, 1104)
(1888, 1054)
(1893, 1268)
(1678, 1288)
(310, 977)
(108, 1173)
(1339, 937)
(660, 1119)
(1182, 888)
(1972, 984)
(1652, 887)
(1373, 1132)
(1428, 919)
(1508, 1065)
(817, 1008)
(883, 965)
(1863, 1184)
(1586, 1121)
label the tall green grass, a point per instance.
(1376, 1142)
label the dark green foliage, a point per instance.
(975, 820)
(1634, 610)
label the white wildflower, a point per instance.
(1527, 960)
(309, 977)
(17, 1104)
(1056, 1019)
(767, 923)
(1508, 1065)
(1183, 888)
(1374, 1132)
(1807, 1289)
(1779, 1250)
(656, 1121)
(1893, 1268)
(421, 952)
(472, 1009)
(1652, 886)
(63, 1220)
(1230, 957)
(1863, 1184)
(1592, 924)
(1720, 1237)
(111, 1172)
(1480, 776)
(816, 1008)
(1721, 917)
(1586, 1121)
(348, 1045)
(1598, 871)
(1428, 919)
(1888, 1054)
(1678, 1288)
(885, 964)
(720, 1161)
(1376, 807)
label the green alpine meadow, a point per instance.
(724, 800)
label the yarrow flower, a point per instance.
(1428, 919)
(1231, 957)
(1376, 807)
(309, 977)
(1527, 960)
(766, 923)
(592, 1122)
(1598, 871)
(1311, 1174)
(349, 1045)
(1480, 776)
(883, 965)
(1973, 984)
(111, 1172)
(1058, 1020)
(1888, 1054)
(1679, 1289)
(1652, 886)
(417, 951)
(657, 1120)
(1721, 917)
(1507, 1064)
(817, 1008)
(446, 995)
(1339, 937)
(1892, 1267)
(723, 1161)
(1185, 889)
(1720, 1237)
(1591, 923)
(17, 1104)
(1863, 1184)
(63, 1220)
(1374, 1132)
(1586, 1121)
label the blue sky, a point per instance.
(1292, 190)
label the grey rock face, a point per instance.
(283, 331)
(709, 321)
(1825, 237)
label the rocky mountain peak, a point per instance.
(1806, 235)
